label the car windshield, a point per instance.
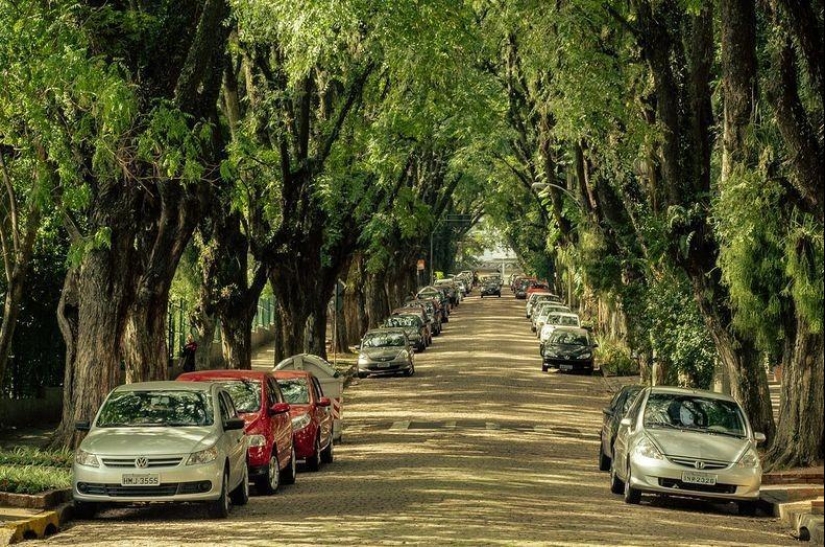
(569, 339)
(295, 390)
(157, 408)
(695, 413)
(401, 321)
(383, 340)
(246, 394)
(565, 320)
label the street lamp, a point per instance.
(539, 186)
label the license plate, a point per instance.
(140, 480)
(565, 367)
(384, 365)
(699, 478)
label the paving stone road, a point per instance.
(478, 448)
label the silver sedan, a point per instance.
(684, 442)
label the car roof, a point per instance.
(288, 374)
(672, 390)
(565, 313)
(165, 385)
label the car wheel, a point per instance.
(269, 483)
(219, 508)
(291, 470)
(604, 461)
(616, 484)
(314, 459)
(631, 495)
(84, 510)
(240, 495)
(544, 367)
(747, 508)
(328, 455)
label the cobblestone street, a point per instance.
(478, 448)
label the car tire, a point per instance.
(631, 495)
(289, 472)
(410, 371)
(268, 484)
(240, 495)
(544, 367)
(604, 461)
(84, 510)
(328, 454)
(747, 508)
(313, 461)
(219, 508)
(616, 484)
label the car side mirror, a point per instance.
(279, 408)
(86, 426)
(233, 424)
(626, 422)
(759, 438)
(324, 402)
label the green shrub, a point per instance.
(615, 359)
(32, 479)
(28, 456)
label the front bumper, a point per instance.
(733, 483)
(568, 365)
(393, 367)
(178, 483)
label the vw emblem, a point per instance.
(142, 462)
(699, 464)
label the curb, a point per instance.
(40, 526)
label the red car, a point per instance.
(311, 414)
(266, 414)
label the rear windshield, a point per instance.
(161, 408)
(295, 390)
(695, 413)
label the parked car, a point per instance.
(162, 442)
(432, 292)
(554, 320)
(385, 351)
(419, 312)
(311, 414)
(451, 288)
(534, 300)
(416, 330)
(433, 308)
(265, 412)
(569, 349)
(521, 287)
(538, 286)
(542, 312)
(614, 412)
(685, 442)
(432, 320)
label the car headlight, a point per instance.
(647, 449)
(204, 456)
(749, 459)
(363, 359)
(81, 457)
(301, 421)
(402, 356)
(256, 441)
(587, 355)
(415, 337)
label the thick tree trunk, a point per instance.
(800, 442)
(378, 306)
(205, 328)
(145, 353)
(355, 314)
(236, 341)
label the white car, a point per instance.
(556, 319)
(543, 311)
(685, 442)
(162, 442)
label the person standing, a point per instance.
(188, 354)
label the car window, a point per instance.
(160, 408)
(319, 392)
(295, 390)
(245, 394)
(694, 412)
(228, 410)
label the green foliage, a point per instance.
(29, 456)
(33, 480)
(615, 359)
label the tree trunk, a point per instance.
(205, 328)
(354, 313)
(378, 306)
(145, 353)
(236, 341)
(800, 441)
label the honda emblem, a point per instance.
(699, 464)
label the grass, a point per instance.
(27, 470)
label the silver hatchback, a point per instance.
(162, 442)
(685, 442)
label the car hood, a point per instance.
(692, 444)
(378, 353)
(147, 441)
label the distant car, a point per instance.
(491, 288)
(613, 414)
(433, 292)
(542, 312)
(521, 286)
(684, 442)
(452, 289)
(265, 412)
(311, 414)
(538, 286)
(419, 312)
(534, 300)
(385, 351)
(162, 442)
(569, 349)
(554, 320)
(433, 308)
(412, 325)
